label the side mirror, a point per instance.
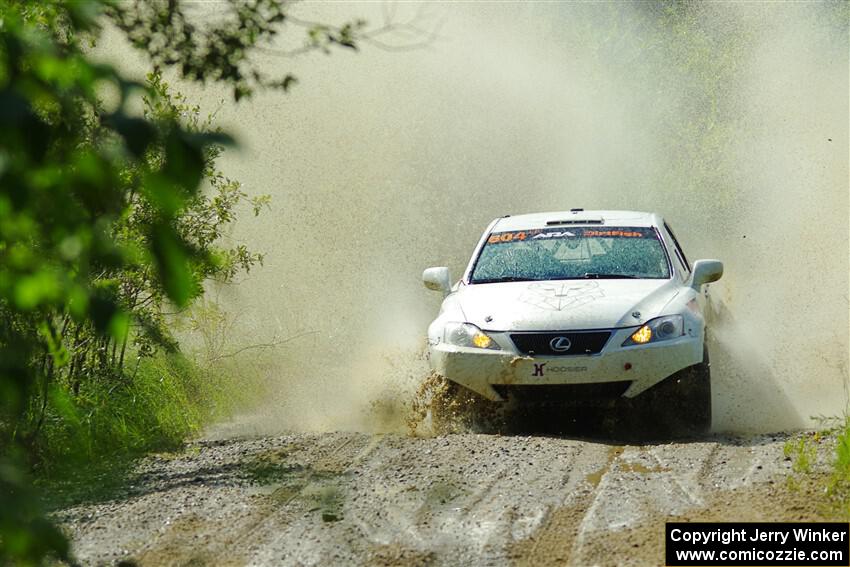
(437, 279)
(706, 271)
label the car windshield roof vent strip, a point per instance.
(574, 221)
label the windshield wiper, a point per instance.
(587, 276)
(594, 276)
(506, 279)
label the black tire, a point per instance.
(681, 404)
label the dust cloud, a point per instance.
(731, 120)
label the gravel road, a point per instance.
(462, 499)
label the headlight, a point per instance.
(659, 329)
(468, 335)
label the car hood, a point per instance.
(564, 304)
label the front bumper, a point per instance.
(649, 364)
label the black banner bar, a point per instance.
(693, 544)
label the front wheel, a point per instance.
(681, 404)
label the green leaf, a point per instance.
(138, 133)
(36, 289)
(172, 261)
(119, 325)
(184, 159)
(57, 350)
(163, 194)
(102, 308)
(78, 302)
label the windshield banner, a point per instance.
(556, 233)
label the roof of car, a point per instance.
(576, 217)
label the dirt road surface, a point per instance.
(463, 499)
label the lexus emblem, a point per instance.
(560, 344)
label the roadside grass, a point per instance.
(89, 440)
(803, 453)
(154, 408)
(839, 483)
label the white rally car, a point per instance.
(581, 307)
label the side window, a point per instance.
(685, 270)
(680, 254)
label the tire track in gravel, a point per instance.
(465, 499)
(285, 522)
(647, 485)
(552, 543)
(224, 538)
(520, 493)
(726, 479)
(636, 484)
(173, 498)
(459, 499)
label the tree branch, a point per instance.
(377, 37)
(272, 344)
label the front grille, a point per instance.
(580, 342)
(541, 393)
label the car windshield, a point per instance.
(571, 253)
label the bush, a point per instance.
(155, 408)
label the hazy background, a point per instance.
(731, 120)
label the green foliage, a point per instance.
(62, 158)
(842, 452)
(102, 226)
(835, 484)
(165, 263)
(108, 219)
(63, 194)
(838, 487)
(26, 534)
(221, 52)
(155, 409)
(802, 452)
